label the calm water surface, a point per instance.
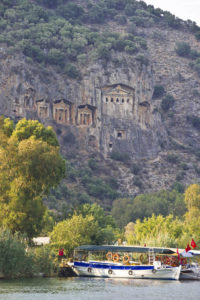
(97, 288)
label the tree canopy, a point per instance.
(30, 164)
(88, 225)
(125, 210)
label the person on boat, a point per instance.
(61, 254)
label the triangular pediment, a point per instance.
(118, 89)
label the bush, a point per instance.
(137, 181)
(130, 9)
(158, 91)
(132, 28)
(194, 120)
(172, 158)
(180, 176)
(135, 169)
(197, 35)
(92, 163)
(14, 261)
(70, 138)
(167, 102)
(179, 187)
(196, 66)
(121, 20)
(71, 71)
(34, 52)
(142, 59)
(44, 260)
(124, 157)
(55, 57)
(183, 49)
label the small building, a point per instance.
(86, 115)
(43, 108)
(63, 111)
(29, 99)
(118, 100)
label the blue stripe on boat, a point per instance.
(112, 267)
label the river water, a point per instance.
(97, 289)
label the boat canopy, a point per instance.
(112, 248)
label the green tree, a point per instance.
(167, 102)
(156, 231)
(88, 225)
(14, 261)
(183, 49)
(30, 164)
(127, 210)
(107, 228)
(192, 216)
(73, 232)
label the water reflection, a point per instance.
(97, 288)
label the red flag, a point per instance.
(193, 244)
(178, 254)
(187, 248)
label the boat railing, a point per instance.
(151, 256)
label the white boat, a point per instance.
(190, 272)
(123, 265)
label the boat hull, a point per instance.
(117, 271)
(190, 274)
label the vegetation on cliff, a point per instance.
(66, 34)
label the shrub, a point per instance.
(180, 176)
(55, 57)
(132, 28)
(172, 21)
(158, 91)
(34, 52)
(196, 66)
(131, 49)
(104, 52)
(167, 102)
(194, 120)
(130, 9)
(92, 163)
(121, 20)
(137, 181)
(179, 187)
(172, 158)
(183, 49)
(197, 35)
(70, 138)
(14, 261)
(124, 157)
(71, 71)
(142, 59)
(135, 169)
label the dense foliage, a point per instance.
(126, 210)
(84, 184)
(89, 225)
(19, 260)
(169, 231)
(30, 164)
(60, 33)
(14, 261)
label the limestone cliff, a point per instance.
(111, 108)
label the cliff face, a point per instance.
(111, 109)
